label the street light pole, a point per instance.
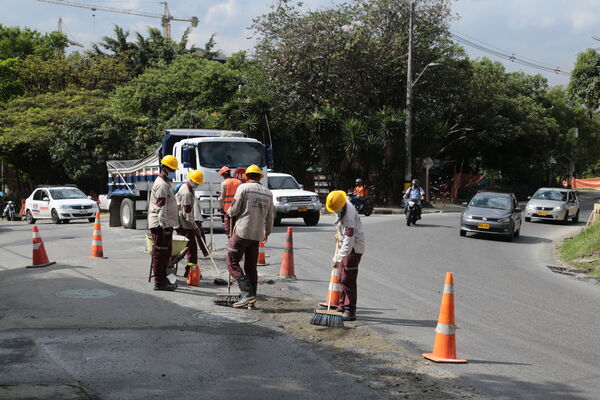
(409, 104)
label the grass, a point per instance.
(583, 251)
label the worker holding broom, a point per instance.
(162, 219)
(252, 207)
(186, 200)
(349, 252)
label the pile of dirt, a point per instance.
(361, 351)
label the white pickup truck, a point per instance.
(292, 201)
(130, 181)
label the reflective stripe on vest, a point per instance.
(231, 185)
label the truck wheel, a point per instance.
(128, 214)
(29, 218)
(312, 219)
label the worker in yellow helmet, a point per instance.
(162, 219)
(351, 247)
(253, 208)
(186, 200)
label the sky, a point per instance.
(551, 32)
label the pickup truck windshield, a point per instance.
(282, 182)
(64, 194)
(232, 154)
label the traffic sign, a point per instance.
(428, 163)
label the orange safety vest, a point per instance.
(359, 191)
(231, 185)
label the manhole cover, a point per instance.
(85, 293)
(228, 317)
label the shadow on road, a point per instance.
(523, 239)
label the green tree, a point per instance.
(10, 84)
(16, 42)
(585, 79)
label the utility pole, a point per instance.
(409, 100)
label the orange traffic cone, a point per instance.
(97, 251)
(40, 258)
(261, 254)
(194, 275)
(444, 347)
(335, 290)
(287, 262)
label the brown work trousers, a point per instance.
(348, 272)
(192, 246)
(161, 253)
(201, 239)
(238, 248)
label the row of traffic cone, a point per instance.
(40, 257)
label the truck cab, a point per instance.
(130, 181)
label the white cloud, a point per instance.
(582, 21)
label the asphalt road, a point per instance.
(528, 333)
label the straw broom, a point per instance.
(331, 319)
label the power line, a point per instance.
(493, 50)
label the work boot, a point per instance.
(246, 294)
(166, 286)
(348, 316)
(255, 288)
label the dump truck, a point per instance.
(130, 181)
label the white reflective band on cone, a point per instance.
(97, 233)
(96, 242)
(445, 329)
(335, 287)
(36, 235)
(448, 289)
(36, 246)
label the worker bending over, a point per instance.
(349, 251)
(252, 207)
(228, 188)
(186, 200)
(162, 219)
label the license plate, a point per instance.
(302, 209)
(542, 213)
(483, 226)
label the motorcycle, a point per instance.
(9, 211)
(411, 210)
(363, 205)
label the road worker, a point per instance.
(228, 189)
(162, 219)
(186, 200)
(253, 208)
(349, 252)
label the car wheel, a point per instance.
(29, 218)
(65, 221)
(463, 233)
(55, 217)
(566, 218)
(527, 219)
(517, 233)
(312, 219)
(277, 221)
(92, 219)
(576, 217)
(127, 214)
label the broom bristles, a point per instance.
(331, 319)
(224, 299)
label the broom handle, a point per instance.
(210, 255)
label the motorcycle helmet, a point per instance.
(358, 182)
(415, 182)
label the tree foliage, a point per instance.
(16, 42)
(585, 79)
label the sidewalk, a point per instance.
(437, 208)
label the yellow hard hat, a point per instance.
(335, 200)
(170, 162)
(253, 169)
(196, 176)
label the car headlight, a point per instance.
(504, 220)
(282, 199)
(558, 208)
(314, 198)
(64, 207)
(467, 215)
(530, 207)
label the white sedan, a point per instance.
(59, 203)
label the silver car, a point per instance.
(492, 213)
(556, 204)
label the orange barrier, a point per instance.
(39, 257)
(287, 261)
(22, 212)
(261, 254)
(591, 183)
(444, 346)
(194, 275)
(334, 291)
(97, 250)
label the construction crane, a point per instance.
(60, 30)
(166, 18)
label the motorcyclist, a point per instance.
(415, 192)
(358, 194)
